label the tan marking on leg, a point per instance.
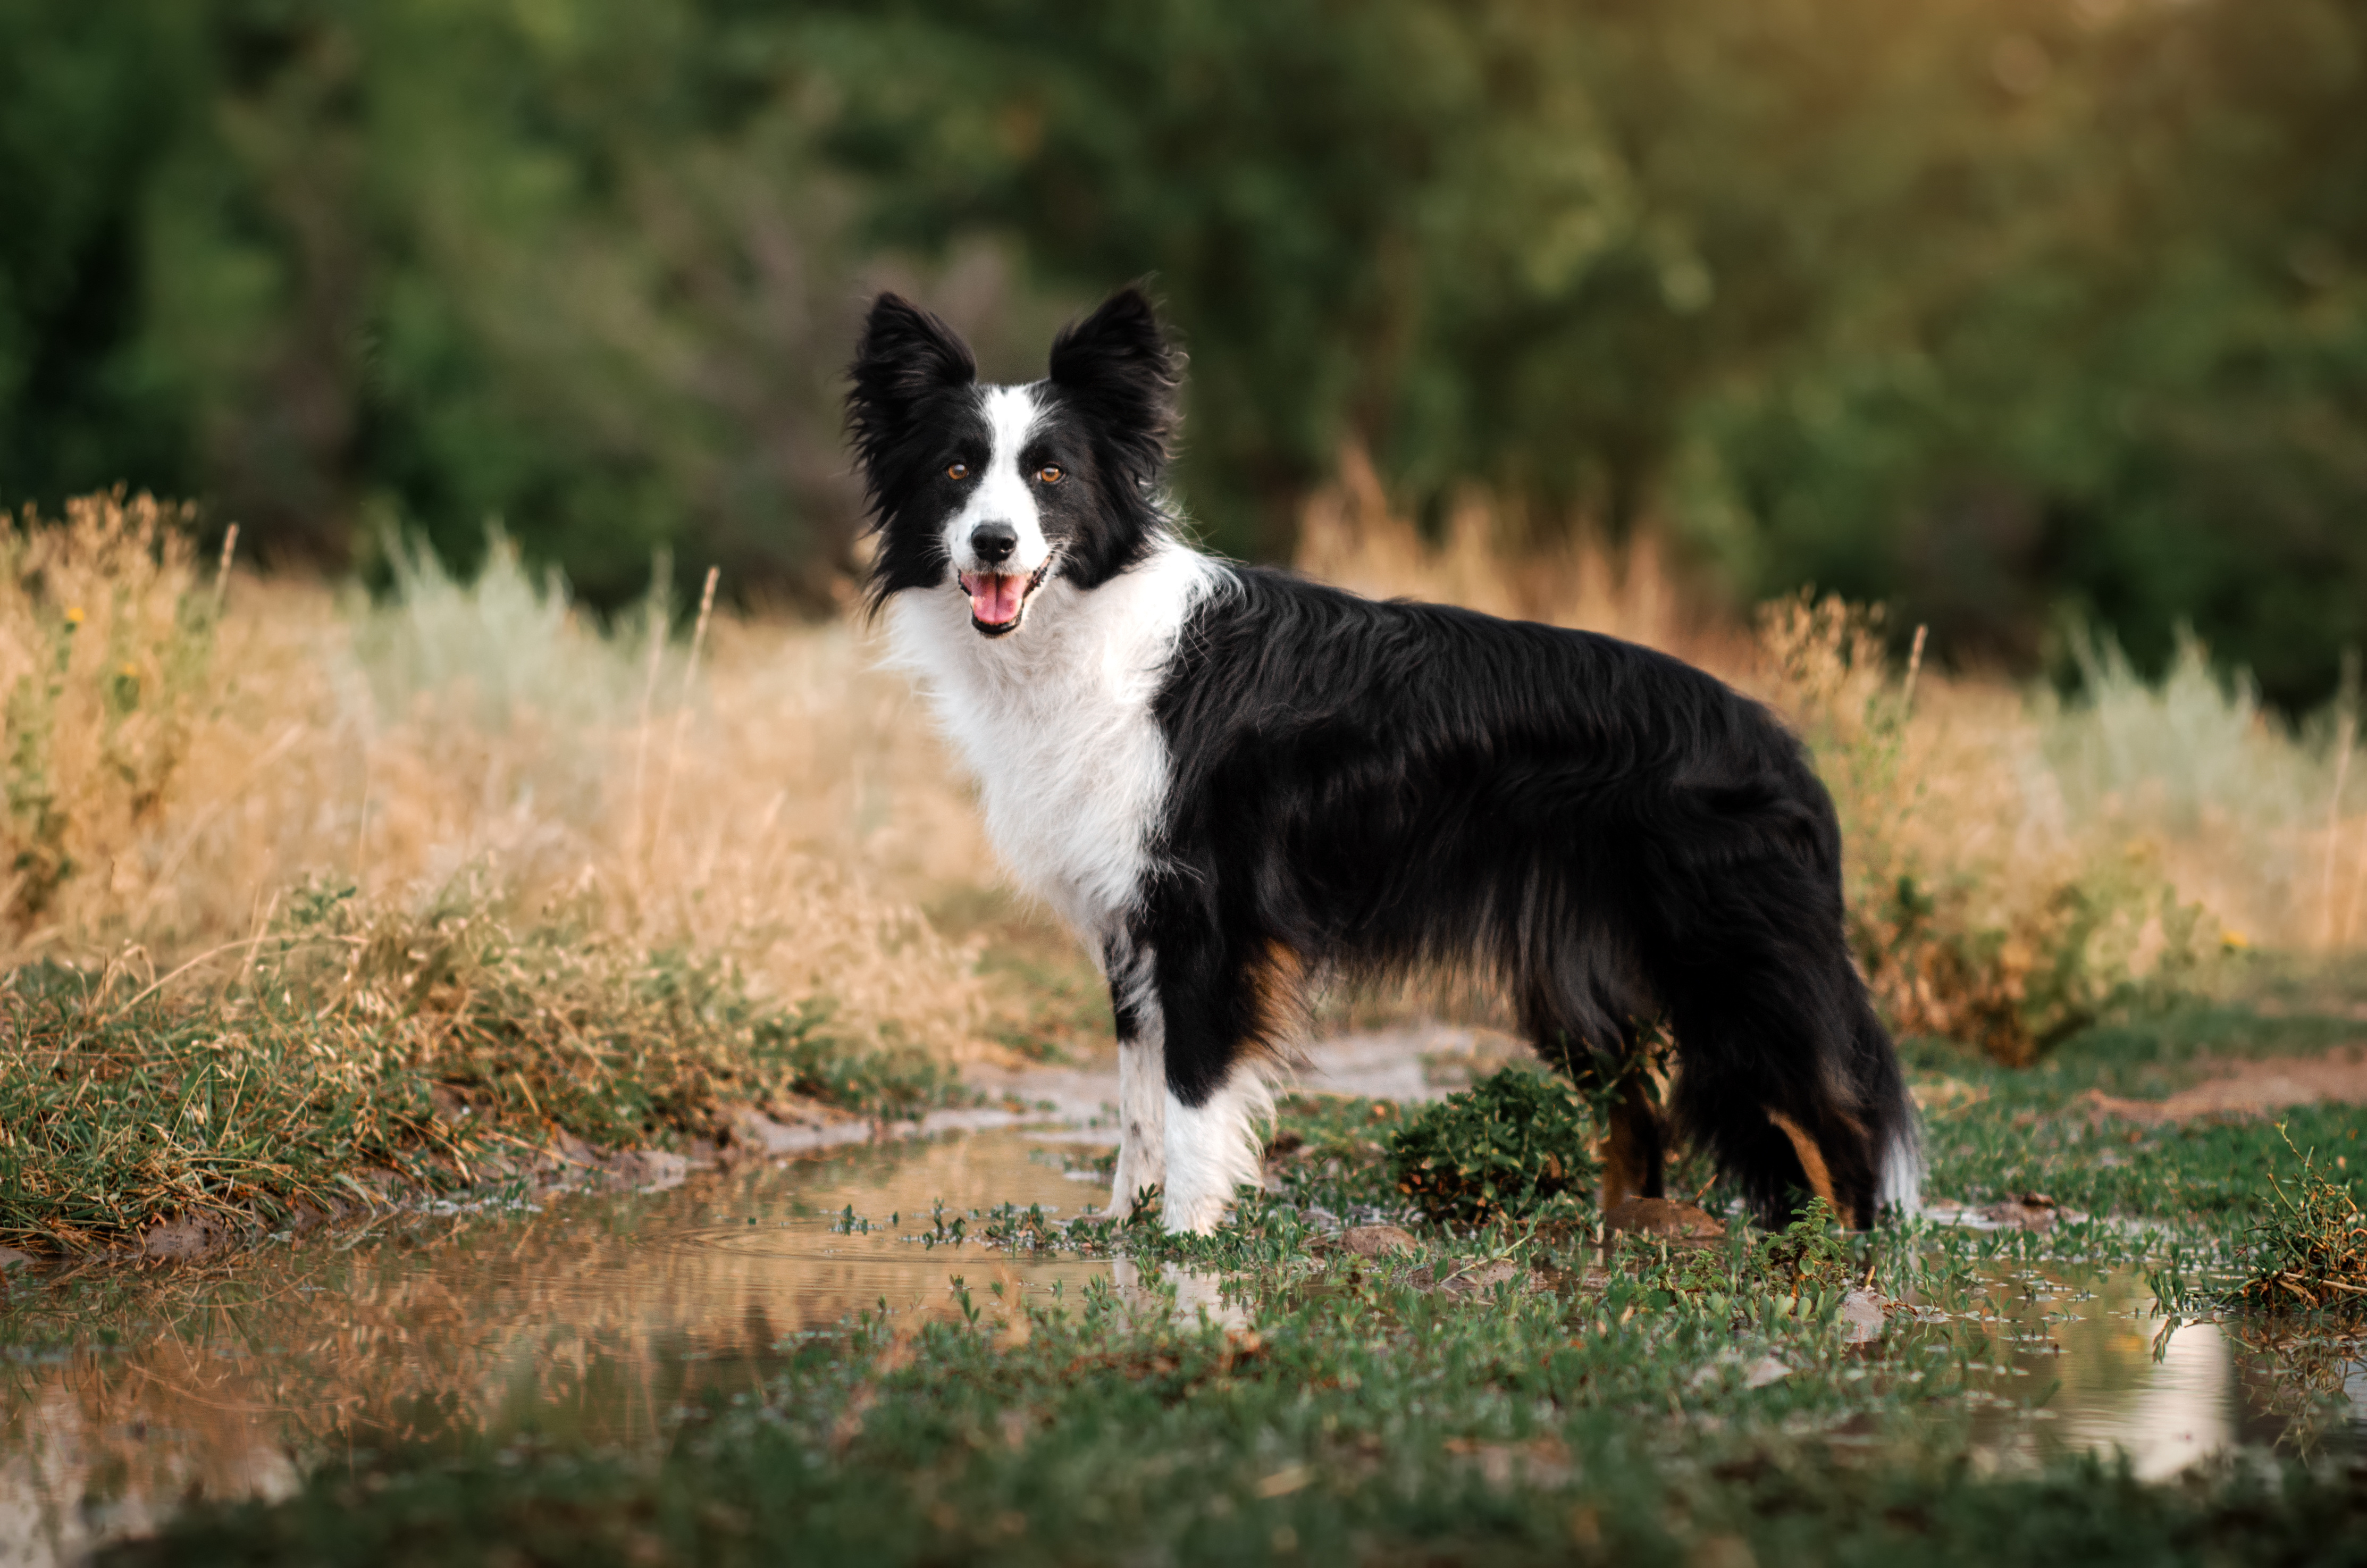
(1812, 1162)
(1278, 991)
(1630, 1150)
(1620, 1181)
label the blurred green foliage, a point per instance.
(334, 265)
(2001, 309)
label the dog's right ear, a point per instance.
(905, 356)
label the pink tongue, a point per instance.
(994, 599)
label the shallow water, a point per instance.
(593, 1315)
(2091, 1366)
(586, 1315)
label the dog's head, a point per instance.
(999, 490)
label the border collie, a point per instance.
(1232, 782)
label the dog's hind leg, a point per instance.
(1581, 999)
(1635, 1153)
(1633, 1147)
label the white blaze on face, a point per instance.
(1004, 493)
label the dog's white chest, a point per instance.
(1055, 723)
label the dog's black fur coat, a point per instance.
(1612, 833)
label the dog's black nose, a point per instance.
(994, 542)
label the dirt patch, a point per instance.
(191, 1236)
(1660, 1217)
(2251, 1088)
(1379, 1241)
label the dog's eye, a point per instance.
(957, 470)
(1049, 474)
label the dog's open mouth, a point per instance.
(997, 601)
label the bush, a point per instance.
(105, 633)
(1979, 910)
(1502, 1148)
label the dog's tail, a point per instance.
(1786, 1076)
(1881, 1088)
(1789, 1024)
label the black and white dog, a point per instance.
(1231, 781)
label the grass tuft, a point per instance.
(2310, 1251)
(362, 1047)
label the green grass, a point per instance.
(1360, 1419)
(1360, 1414)
(1566, 1407)
(357, 1047)
(2309, 1247)
(2007, 1130)
(1569, 1409)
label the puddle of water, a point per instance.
(2091, 1369)
(591, 1319)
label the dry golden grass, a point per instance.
(182, 749)
(1349, 536)
(103, 636)
(758, 793)
(291, 875)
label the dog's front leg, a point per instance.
(1217, 1093)
(1213, 1148)
(1142, 1122)
(1141, 1078)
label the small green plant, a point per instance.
(1804, 1259)
(1805, 1254)
(1499, 1149)
(1333, 1153)
(2310, 1251)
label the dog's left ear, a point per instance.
(1123, 375)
